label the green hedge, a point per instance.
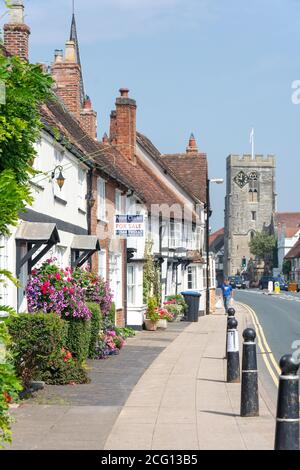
(78, 339)
(37, 340)
(38, 343)
(96, 326)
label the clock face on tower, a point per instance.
(241, 179)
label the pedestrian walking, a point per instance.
(227, 292)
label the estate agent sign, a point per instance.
(130, 226)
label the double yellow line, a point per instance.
(267, 355)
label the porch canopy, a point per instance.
(35, 235)
(82, 248)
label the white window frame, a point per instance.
(118, 202)
(81, 189)
(102, 264)
(101, 199)
(131, 286)
(192, 283)
(175, 234)
(116, 279)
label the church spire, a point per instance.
(74, 38)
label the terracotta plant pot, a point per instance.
(150, 325)
(162, 324)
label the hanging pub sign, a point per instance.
(130, 226)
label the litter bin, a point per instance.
(192, 299)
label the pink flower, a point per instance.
(57, 276)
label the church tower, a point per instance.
(249, 206)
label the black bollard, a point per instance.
(249, 393)
(233, 356)
(231, 314)
(287, 421)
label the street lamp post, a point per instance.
(208, 215)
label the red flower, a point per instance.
(7, 397)
(57, 276)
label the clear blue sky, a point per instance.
(214, 67)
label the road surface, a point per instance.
(279, 319)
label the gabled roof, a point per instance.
(294, 252)
(290, 221)
(190, 170)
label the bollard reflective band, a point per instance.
(233, 341)
(289, 377)
(250, 371)
(283, 420)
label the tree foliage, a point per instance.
(26, 87)
(262, 245)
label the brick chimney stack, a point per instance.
(123, 125)
(192, 147)
(66, 73)
(88, 118)
(16, 32)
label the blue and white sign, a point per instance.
(130, 226)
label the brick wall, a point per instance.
(125, 126)
(16, 39)
(67, 78)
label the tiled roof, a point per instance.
(192, 170)
(288, 220)
(214, 236)
(294, 252)
(172, 169)
(148, 187)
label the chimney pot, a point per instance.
(17, 12)
(58, 56)
(124, 92)
(70, 52)
(87, 104)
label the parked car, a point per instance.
(237, 282)
(264, 282)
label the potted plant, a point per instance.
(152, 315)
(164, 318)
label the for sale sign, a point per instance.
(130, 226)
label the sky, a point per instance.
(216, 68)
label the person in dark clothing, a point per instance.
(227, 292)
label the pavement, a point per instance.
(166, 391)
(82, 416)
(183, 402)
